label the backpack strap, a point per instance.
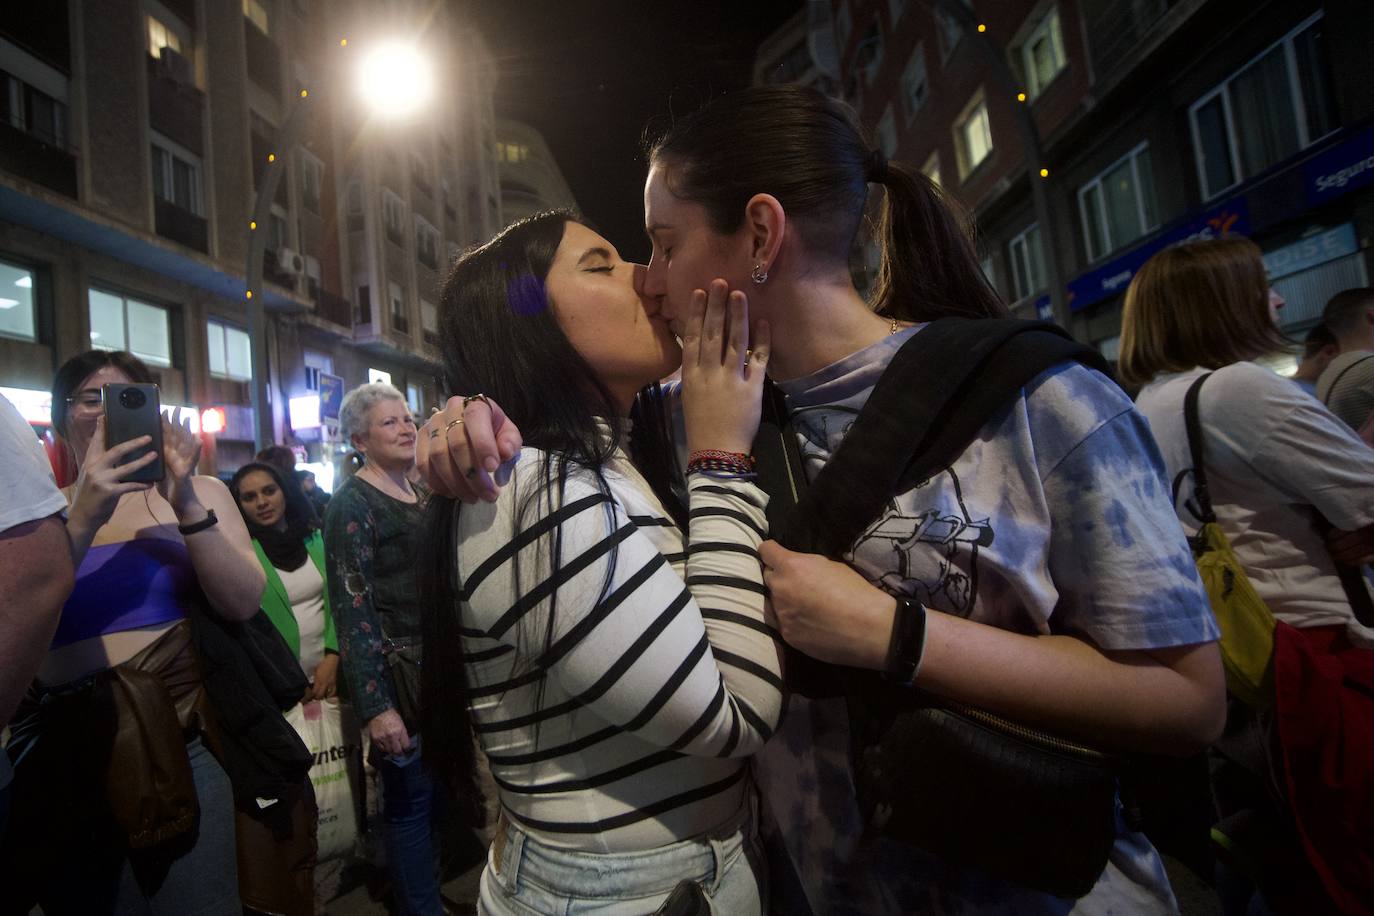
(940, 389)
(1193, 425)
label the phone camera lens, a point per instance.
(132, 398)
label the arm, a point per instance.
(223, 556)
(632, 648)
(35, 579)
(1126, 583)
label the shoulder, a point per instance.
(1065, 405)
(349, 503)
(1355, 367)
(211, 491)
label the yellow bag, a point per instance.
(1247, 624)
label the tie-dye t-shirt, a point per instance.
(1057, 519)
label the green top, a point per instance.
(277, 606)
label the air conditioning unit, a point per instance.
(174, 66)
(290, 262)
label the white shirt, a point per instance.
(1277, 461)
(305, 590)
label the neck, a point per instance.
(392, 478)
(280, 525)
(1352, 342)
(818, 323)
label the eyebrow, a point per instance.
(593, 253)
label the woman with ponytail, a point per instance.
(1055, 586)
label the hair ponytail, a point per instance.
(928, 269)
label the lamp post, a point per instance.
(393, 81)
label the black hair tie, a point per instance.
(875, 168)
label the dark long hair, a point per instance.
(80, 367)
(499, 336)
(806, 150)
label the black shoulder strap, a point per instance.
(940, 389)
(1193, 425)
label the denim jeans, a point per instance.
(524, 876)
(408, 800)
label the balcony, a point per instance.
(25, 155)
(175, 107)
(335, 309)
(264, 63)
(180, 225)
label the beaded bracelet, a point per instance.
(721, 455)
(742, 465)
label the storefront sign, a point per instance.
(1311, 251)
(1341, 169)
(1230, 218)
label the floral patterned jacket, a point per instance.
(371, 542)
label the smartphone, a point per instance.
(687, 899)
(132, 411)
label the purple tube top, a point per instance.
(125, 586)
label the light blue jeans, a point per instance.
(531, 877)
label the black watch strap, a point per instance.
(908, 643)
(208, 522)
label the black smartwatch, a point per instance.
(908, 643)
(208, 522)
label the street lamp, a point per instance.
(394, 81)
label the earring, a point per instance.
(758, 274)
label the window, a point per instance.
(948, 31)
(413, 399)
(17, 314)
(393, 216)
(973, 135)
(378, 376)
(160, 36)
(932, 167)
(312, 179)
(37, 113)
(1276, 105)
(869, 55)
(1027, 262)
(256, 11)
(121, 323)
(1042, 53)
(429, 320)
(426, 243)
(312, 277)
(277, 236)
(176, 175)
(231, 351)
(511, 152)
(314, 364)
(915, 87)
(886, 134)
(399, 321)
(1118, 206)
(844, 27)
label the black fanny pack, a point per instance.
(969, 786)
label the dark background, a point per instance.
(590, 74)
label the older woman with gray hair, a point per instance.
(370, 532)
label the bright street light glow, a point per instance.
(395, 80)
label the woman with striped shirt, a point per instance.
(610, 655)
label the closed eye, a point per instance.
(600, 270)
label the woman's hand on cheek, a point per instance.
(722, 370)
(826, 609)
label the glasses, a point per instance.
(87, 403)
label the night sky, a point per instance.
(590, 74)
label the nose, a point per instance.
(653, 281)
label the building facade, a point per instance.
(531, 180)
(1156, 120)
(134, 137)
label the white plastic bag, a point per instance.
(335, 774)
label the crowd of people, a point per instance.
(719, 588)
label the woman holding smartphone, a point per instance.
(116, 812)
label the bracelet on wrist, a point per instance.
(714, 460)
(209, 521)
(908, 643)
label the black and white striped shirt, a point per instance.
(624, 725)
